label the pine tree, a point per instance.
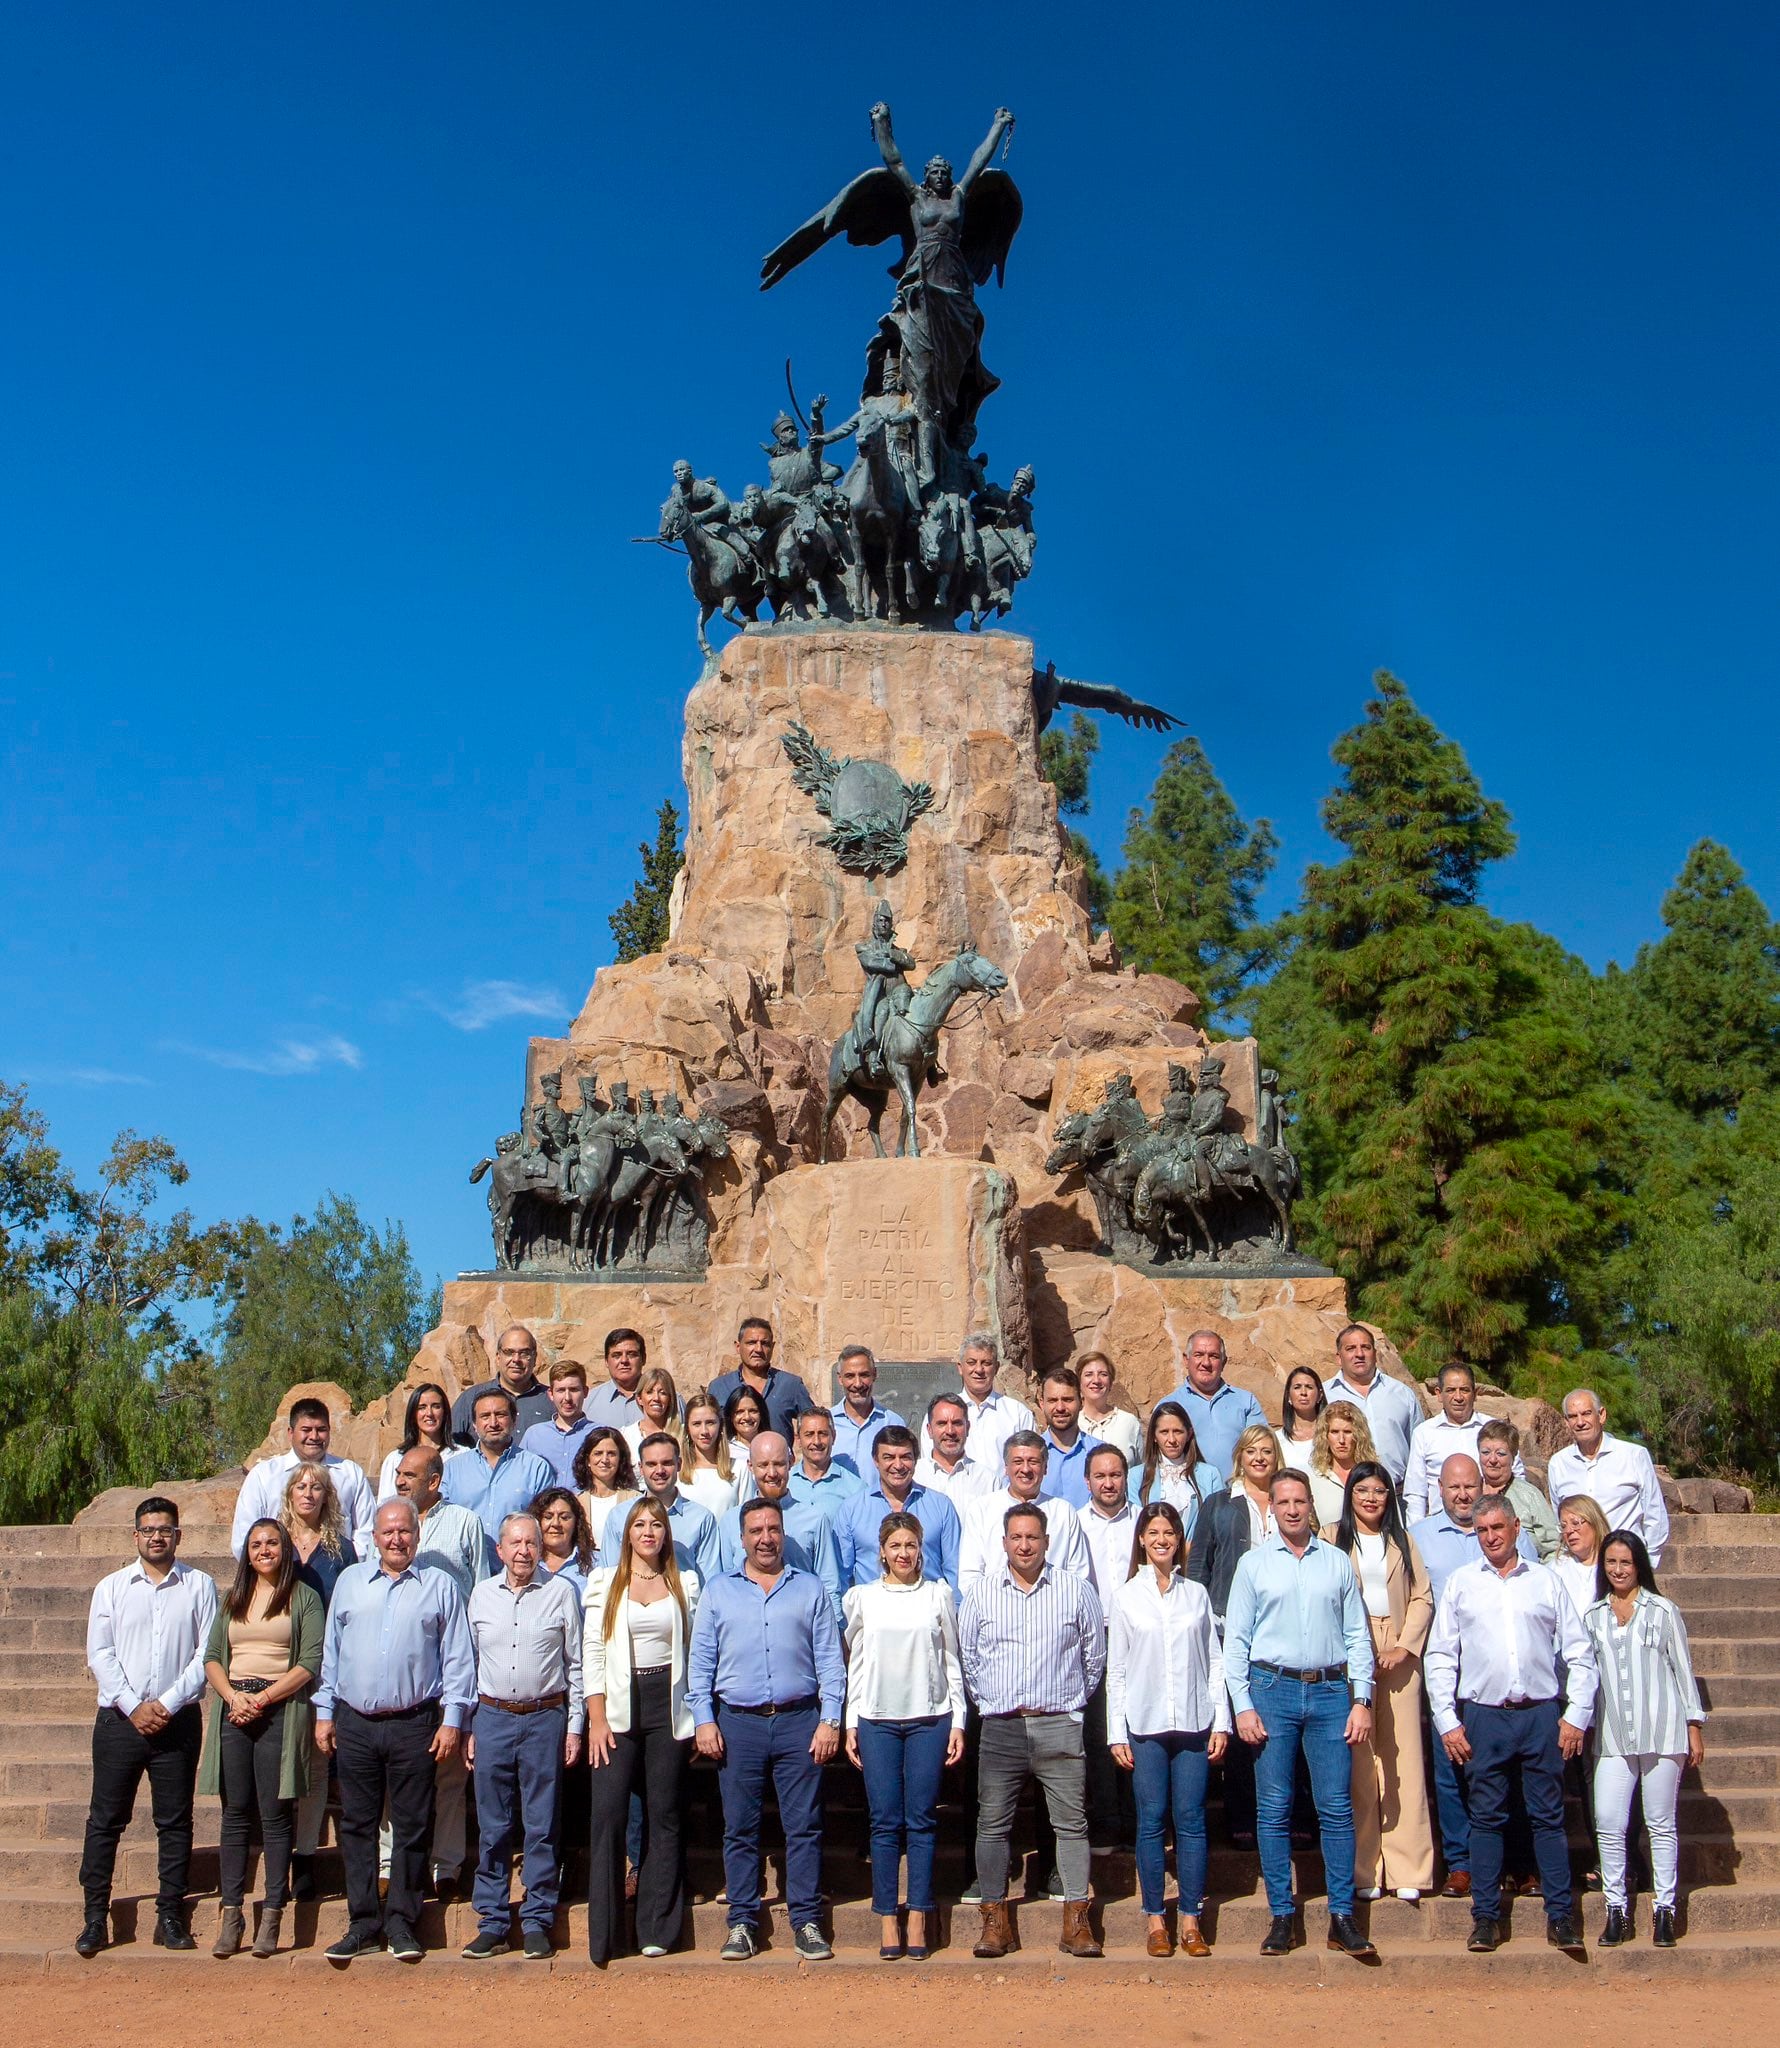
(640, 923)
(1450, 1111)
(1065, 755)
(1184, 903)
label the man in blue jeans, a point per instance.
(1298, 1661)
(764, 1682)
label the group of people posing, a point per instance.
(559, 1596)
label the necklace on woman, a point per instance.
(648, 1578)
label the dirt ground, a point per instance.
(72, 2009)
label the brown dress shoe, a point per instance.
(1078, 1932)
(1193, 1942)
(997, 1936)
(1159, 1943)
(1457, 1885)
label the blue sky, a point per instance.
(346, 346)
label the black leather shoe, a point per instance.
(1662, 1927)
(1618, 1929)
(1486, 1937)
(1563, 1934)
(356, 1941)
(1346, 1936)
(170, 1931)
(1279, 1936)
(402, 1943)
(94, 1936)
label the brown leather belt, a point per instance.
(550, 1699)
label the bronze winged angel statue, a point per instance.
(955, 235)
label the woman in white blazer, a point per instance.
(637, 1622)
(1167, 1715)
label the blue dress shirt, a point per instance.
(558, 1448)
(809, 1545)
(1391, 1410)
(1444, 1546)
(832, 1493)
(693, 1529)
(1301, 1613)
(1218, 1419)
(786, 1398)
(507, 1487)
(855, 1439)
(856, 1533)
(754, 1646)
(392, 1643)
(1066, 1471)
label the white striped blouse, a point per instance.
(1647, 1691)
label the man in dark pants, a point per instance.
(398, 1681)
(146, 1631)
(764, 1682)
(1511, 1686)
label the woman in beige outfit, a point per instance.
(1393, 1841)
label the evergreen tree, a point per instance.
(1450, 1112)
(1065, 755)
(640, 923)
(1184, 903)
(329, 1299)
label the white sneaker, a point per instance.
(1369, 1892)
(653, 1949)
(972, 1897)
(1409, 1894)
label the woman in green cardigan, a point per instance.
(262, 1659)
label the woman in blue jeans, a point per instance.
(905, 1720)
(1167, 1715)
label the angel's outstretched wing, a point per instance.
(1049, 690)
(872, 209)
(991, 220)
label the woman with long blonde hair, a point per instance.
(1343, 1440)
(706, 1474)
(659, 1400)
(638, 1626)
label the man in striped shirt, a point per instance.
(1033, 1644)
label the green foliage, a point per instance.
(1184, 904)
(1065, 756)
(87, 1402)
(640, 923)
(1451, 1117)
(327, 1299)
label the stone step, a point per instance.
(1689, 1532)
(55, 1916)
(58, 1569)
(25, 1819)
(69, 1699)
(44, 1632)
(1733, 1769)
(1727, 1689)
(25, 1742)
(1761, 1560)
(1712, 1588)
(1737, 1727)
(1715, 1655)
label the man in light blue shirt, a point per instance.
(558, 1440)
(497, 1478)
(1067, 1444)
(818, 1478)
(894, 1491)
(693, 1529)
(857, 1415)
(1218, 1411)
(614, 1401)
(398, 1681)
(765, 1680)
(1391, 1408)
(1298, 1662)
(809, 1541)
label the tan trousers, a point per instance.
(1393, 1841)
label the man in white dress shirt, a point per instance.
(1450, 1434)
(948, 1466)
(1616, 1475)
(1391, 1408)
(146, 1631)
(983, 1550)
(311, 1429)
(1108, 1523)
(992, 1416)
(1511, 1686)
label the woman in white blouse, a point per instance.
(1115, 1426)
(1167, 1716)
(1582, 1529)
(706, 1474)
(659, 1399)
(637, 1624)
(606, 1475)
(1343, 1441)
(1302, 1401)
(905, 1720)
(1649, 1725)
(427, 1421)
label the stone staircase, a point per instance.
(1724, 1571)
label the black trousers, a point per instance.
(646, 1754)
(250, 1759)
(383, 1760)
(121, 1754)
